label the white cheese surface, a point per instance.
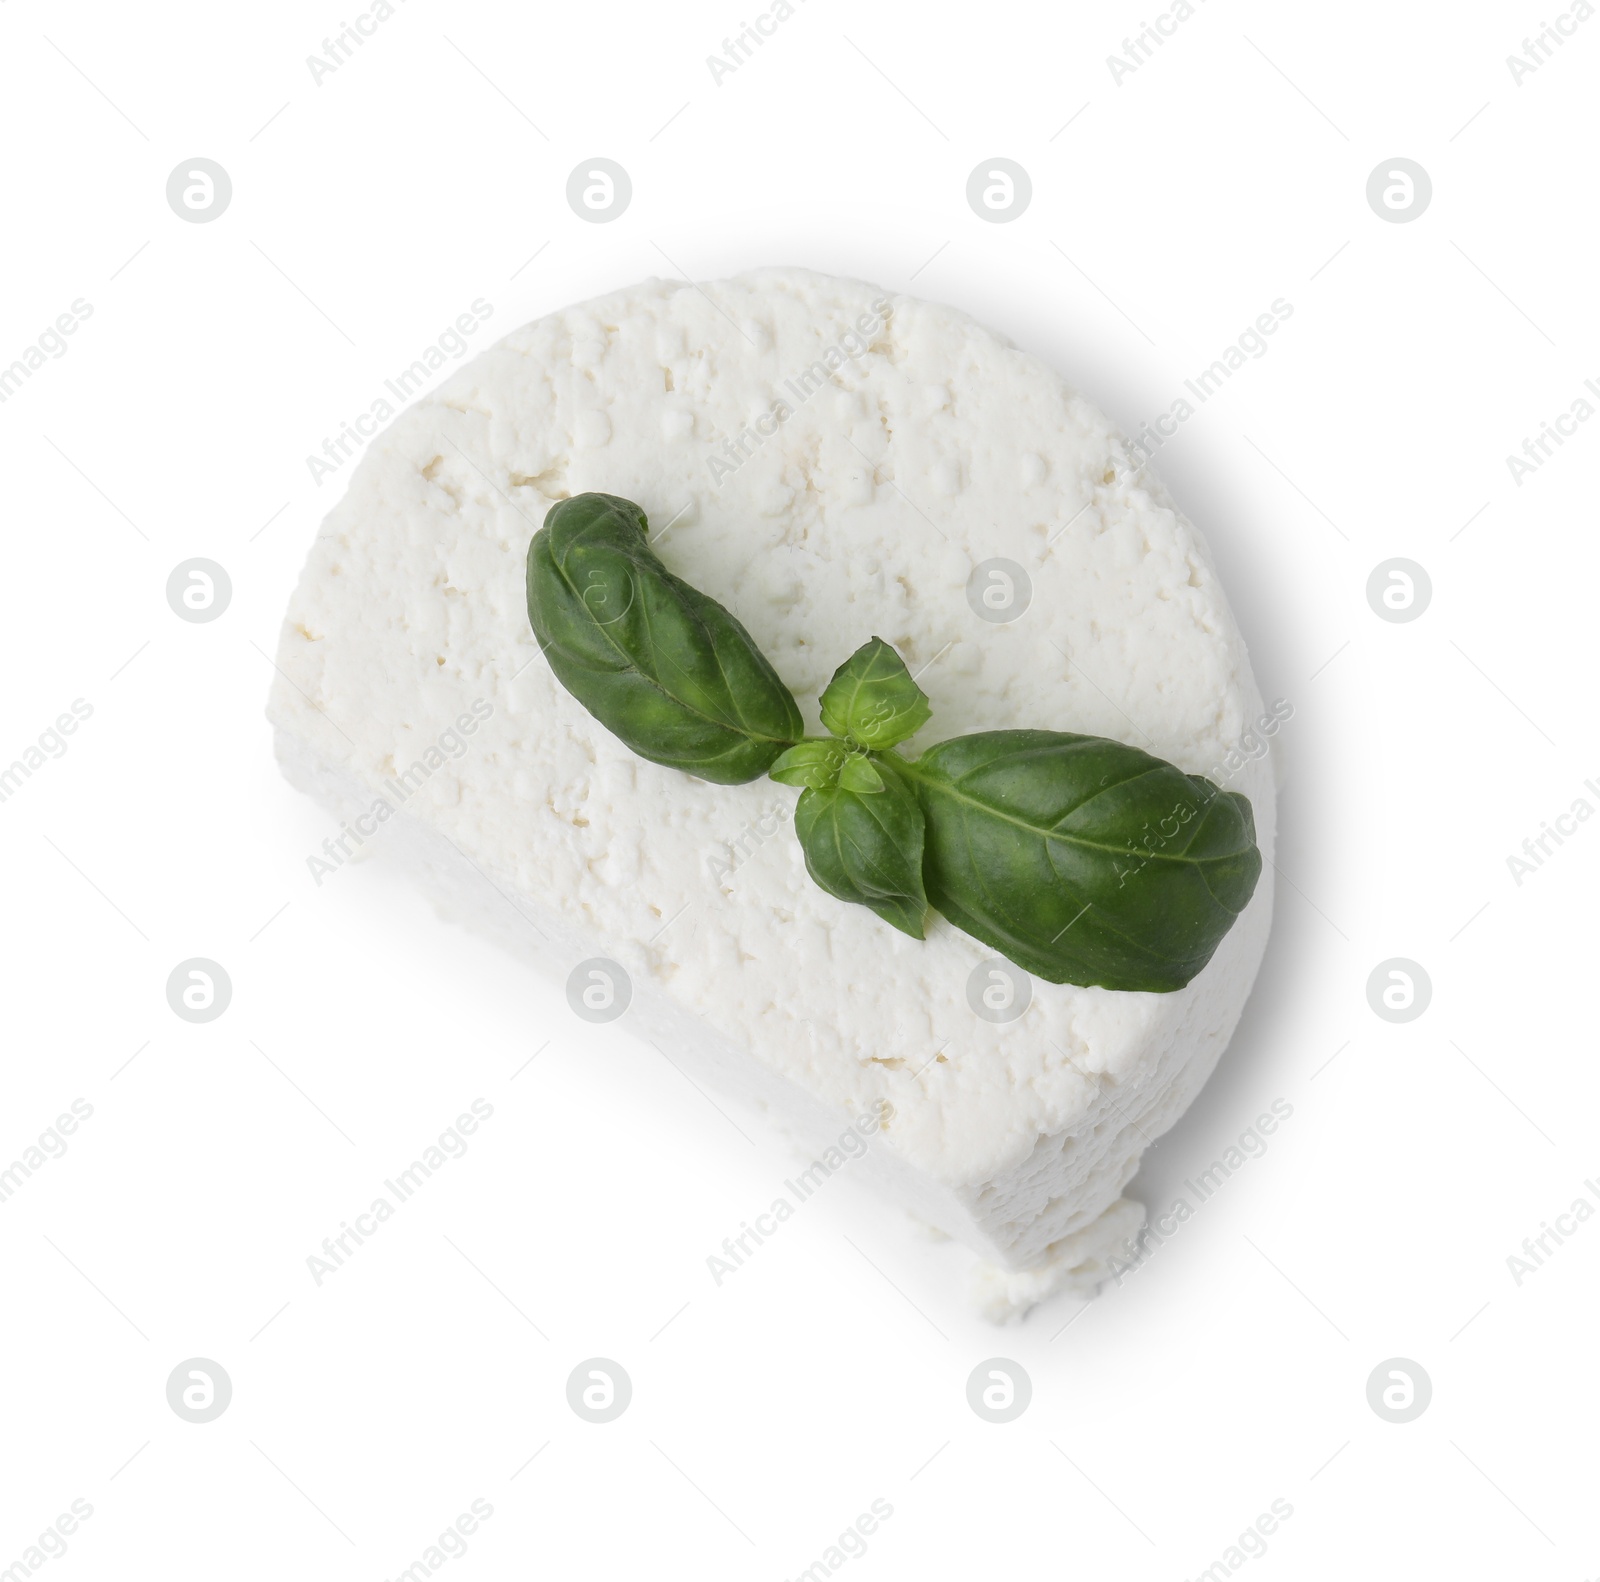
(922, 446)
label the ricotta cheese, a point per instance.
(830, 462)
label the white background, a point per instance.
(1167, 213)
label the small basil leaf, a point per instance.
(867, 849)
(813, 764)
(1084, 860)
(858, 775)
(658, 663)
(872, 698)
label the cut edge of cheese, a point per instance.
(1024, 1250)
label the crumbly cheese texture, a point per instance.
(831, 462)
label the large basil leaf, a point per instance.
(873, 699)
(867, 847)
(658, 663)
(1084, 860)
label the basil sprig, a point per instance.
(1079, 859)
